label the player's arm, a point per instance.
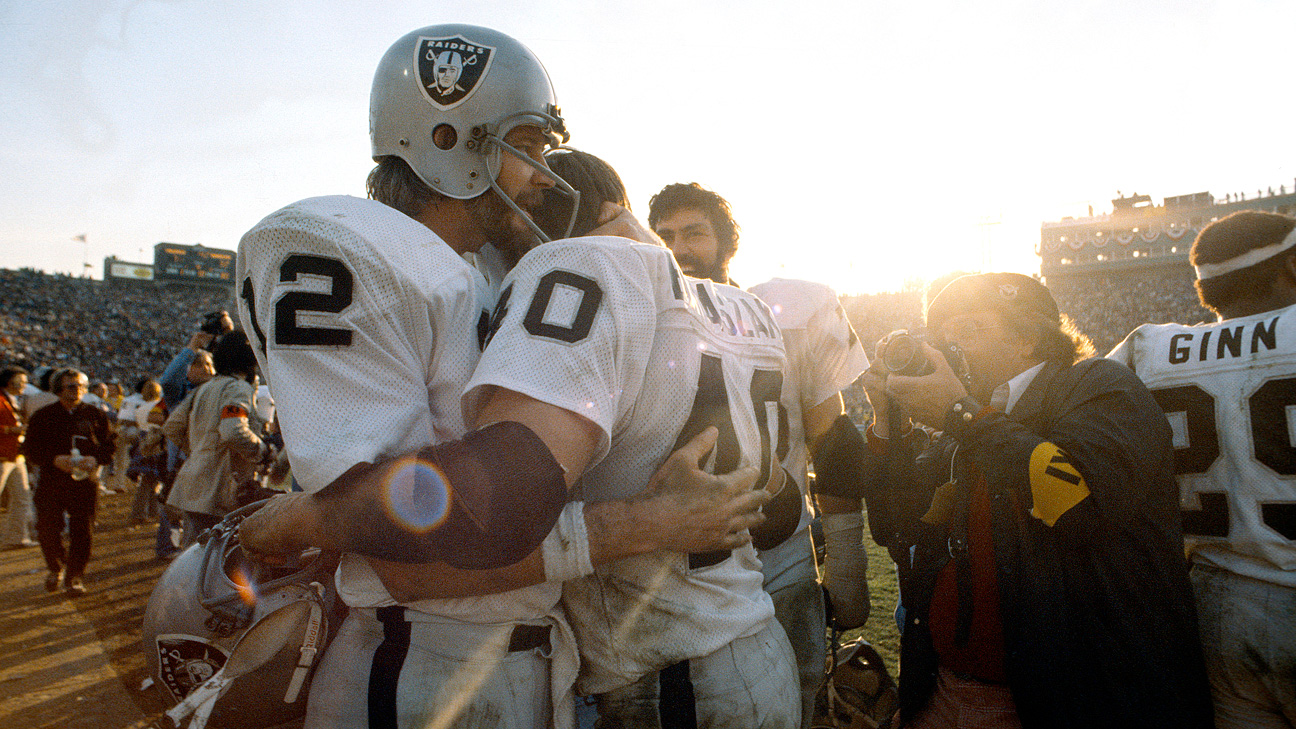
(683, 509)
(838, 449)
(503, 490)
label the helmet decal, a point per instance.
(450, 69)
(186, 661)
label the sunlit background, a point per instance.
(862, 144)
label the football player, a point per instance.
(824, 356)
(612, 332)
(615, 358)
(1228, 388)
(368, 322)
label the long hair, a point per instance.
(393, 183)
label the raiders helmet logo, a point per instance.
(450, 69)
(1008, 291)
(186, 661)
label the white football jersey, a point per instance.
(1229, 391)
(614, 331)
(367, 325)
(823, 356)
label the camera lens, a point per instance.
(900, 353)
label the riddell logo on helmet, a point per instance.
(449, 69)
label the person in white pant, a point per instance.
(13, 469)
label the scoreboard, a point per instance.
(193, 264)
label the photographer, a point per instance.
(1037, 529)
(192, 366)
(217, 426)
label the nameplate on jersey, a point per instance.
(1224, 342)
(731, 313)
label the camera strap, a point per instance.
(957, 544)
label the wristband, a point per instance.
(566, 550)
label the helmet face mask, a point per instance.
(481, 84)
(496, 146)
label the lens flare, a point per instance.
(245, 585)
(417, 494)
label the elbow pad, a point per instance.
(782, 514)
(482, 502)
(839, 461)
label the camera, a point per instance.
(902, 353)
(212, 322)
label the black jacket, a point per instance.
(1097, 611)
(52, 432)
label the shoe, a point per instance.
(52, 581)
(75, 586)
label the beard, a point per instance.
(696, 268)
(503, 227)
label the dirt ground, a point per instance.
(77, 662)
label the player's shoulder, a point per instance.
(616, 264)
(795, 301)
(373, 241)
(734, 292)
(344, 211)
(1135, 350)
(597, 250)
(349, 224)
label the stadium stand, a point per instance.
(111, 332)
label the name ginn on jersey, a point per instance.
(1223, 342)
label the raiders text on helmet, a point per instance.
(479, 82)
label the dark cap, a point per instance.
(1005, 292)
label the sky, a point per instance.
(862, 144)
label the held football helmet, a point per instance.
(859, 692)
(479, 82)
(209, 598)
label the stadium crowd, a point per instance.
(111, 332)
(122, 333)
(1108, 308)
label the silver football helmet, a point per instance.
(859, 692)
(477, 81)
(208, 599)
